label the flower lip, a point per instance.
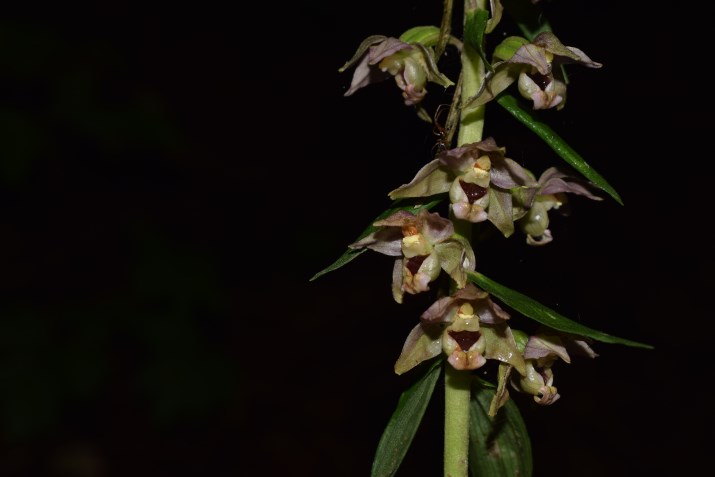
(465, 339)
(542, 80)
(474, 192)
(547, 395)
(413, 264)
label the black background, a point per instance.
(171, 176)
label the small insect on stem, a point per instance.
(439, 130)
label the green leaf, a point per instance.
(427, 35)
(498, 447)
(556, 143)
(351, 254)
(344, 259)
(474, 26)
(401, 429)
(543, 314)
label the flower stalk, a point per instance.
(445, 28)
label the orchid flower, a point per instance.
(549, 194)
(478, 178)
(531, 65)
(412, 65)
(468, 327)
(424, 244)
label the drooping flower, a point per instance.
(540, 353)
(412, 65)
(549, 194)
(424, 244)
(478, 178)
(468, 327)
(531, 65)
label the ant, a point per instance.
(439, 130)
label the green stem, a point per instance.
(444, 29)
(471, 125)
(456, 421)
(457, 383)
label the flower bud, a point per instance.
(539, 383)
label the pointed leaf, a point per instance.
(556, 143)
(344, 259)
(401, 429)
(498, 447)
(543, 314)
(352, 254)
(475, 24)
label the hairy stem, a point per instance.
(457, 383)
(471, 124)
(456, 421)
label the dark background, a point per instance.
(170, 177)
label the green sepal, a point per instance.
(521, 339)
(427, 35)
(506, 49)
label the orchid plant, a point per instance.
(475, 184)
